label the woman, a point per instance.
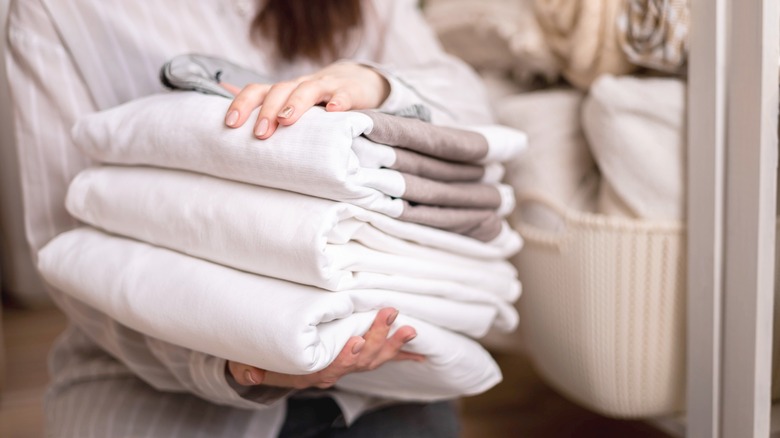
(69, 59)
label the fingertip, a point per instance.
(357, 347)
(406, 333)
(391, 318)
(287, 121)
(387, 315)
(231, 119)
(258, 375)
(286, 112)
(290, 114)
(339, 102)
(249, 378)
(261, 128)
(269, 131)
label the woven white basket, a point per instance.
(603, 310)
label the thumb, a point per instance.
(246, 375)
(339, 102)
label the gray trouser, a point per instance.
(321, 417)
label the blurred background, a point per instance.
(544, 62)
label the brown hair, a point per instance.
(313, 29)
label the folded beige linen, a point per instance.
(584, 36)
(499, 36)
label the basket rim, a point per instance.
(588, 219)
(584, 219)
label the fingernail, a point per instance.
(262, 128)
(358, 346)
(410, 337)
(231, 118)
(248, 376)
(391, 318)
(286, 112)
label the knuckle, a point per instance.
(379, 325)
(327, 77)
(294, 100)
(242, 99)
(320, 84)
(249, 93)
(284, 85)
(266, 110)
(350, 362)
(306, 91)
(253, 87)
(308, 83)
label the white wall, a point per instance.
(19, 279)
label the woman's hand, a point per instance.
(359, 354)
(341, 86)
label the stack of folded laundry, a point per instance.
(274, 252)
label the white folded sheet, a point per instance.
(285, 235)
(268, 323)
(314, 156)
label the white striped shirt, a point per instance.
(67, 58)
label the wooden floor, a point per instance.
(521, 406)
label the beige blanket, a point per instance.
(584, 36)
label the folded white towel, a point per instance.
(286, 235)
(315, 156)
(265, 322)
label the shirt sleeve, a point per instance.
(48, 95)
(420, 72)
